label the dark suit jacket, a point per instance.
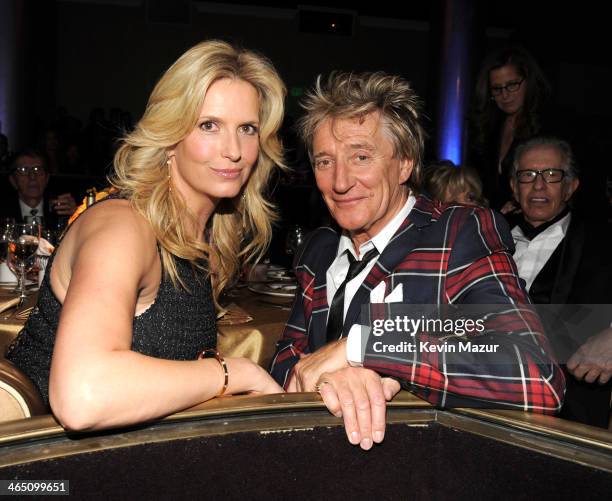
(440, 254)
(579, 272)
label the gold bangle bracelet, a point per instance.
(210, 353)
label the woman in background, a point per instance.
(137, 276)
(509, 107)
(453, 183)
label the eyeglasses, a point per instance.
(510, 87)
(548, 175)
(26, 170)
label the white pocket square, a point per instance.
(378, 294)
(396, 295)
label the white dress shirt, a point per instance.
(531, 255)
(26, 210)
(336, 273)
(338, 270)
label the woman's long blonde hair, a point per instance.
(240, 229)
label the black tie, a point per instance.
(33, 212)
(335, 321)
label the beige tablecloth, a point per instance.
(256, 339)
(10, 325)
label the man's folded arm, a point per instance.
(289, 350)
(522, 373)
(519, 374)
(293, 345)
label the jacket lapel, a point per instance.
(545, 282)
(317, 327)
(405, 240)
(570, 259)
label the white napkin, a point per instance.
(6, 275)
(45, 249)
(6, 304)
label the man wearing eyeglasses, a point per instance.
(565, 260)
(29, 178)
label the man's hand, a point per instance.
(593, 360)
(308, 370)
(359, 396)
(64, 205)
(510, 207)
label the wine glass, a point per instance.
(295, 237)
(6, 228)
(23, 244)
(49, 235)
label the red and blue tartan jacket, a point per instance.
(442, 254)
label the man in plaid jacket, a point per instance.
(365, 141)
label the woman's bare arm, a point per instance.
(96, 381)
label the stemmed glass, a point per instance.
(23, 244)
(6, 228)
(295, 237)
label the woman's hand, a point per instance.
(106, 271)
(245, 376)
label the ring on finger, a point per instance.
(318, 386)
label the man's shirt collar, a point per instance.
(558, 228)
(26, 209)
(383, 237)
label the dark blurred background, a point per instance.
(82, 70)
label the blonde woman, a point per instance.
(137, 276)
(454, 183)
